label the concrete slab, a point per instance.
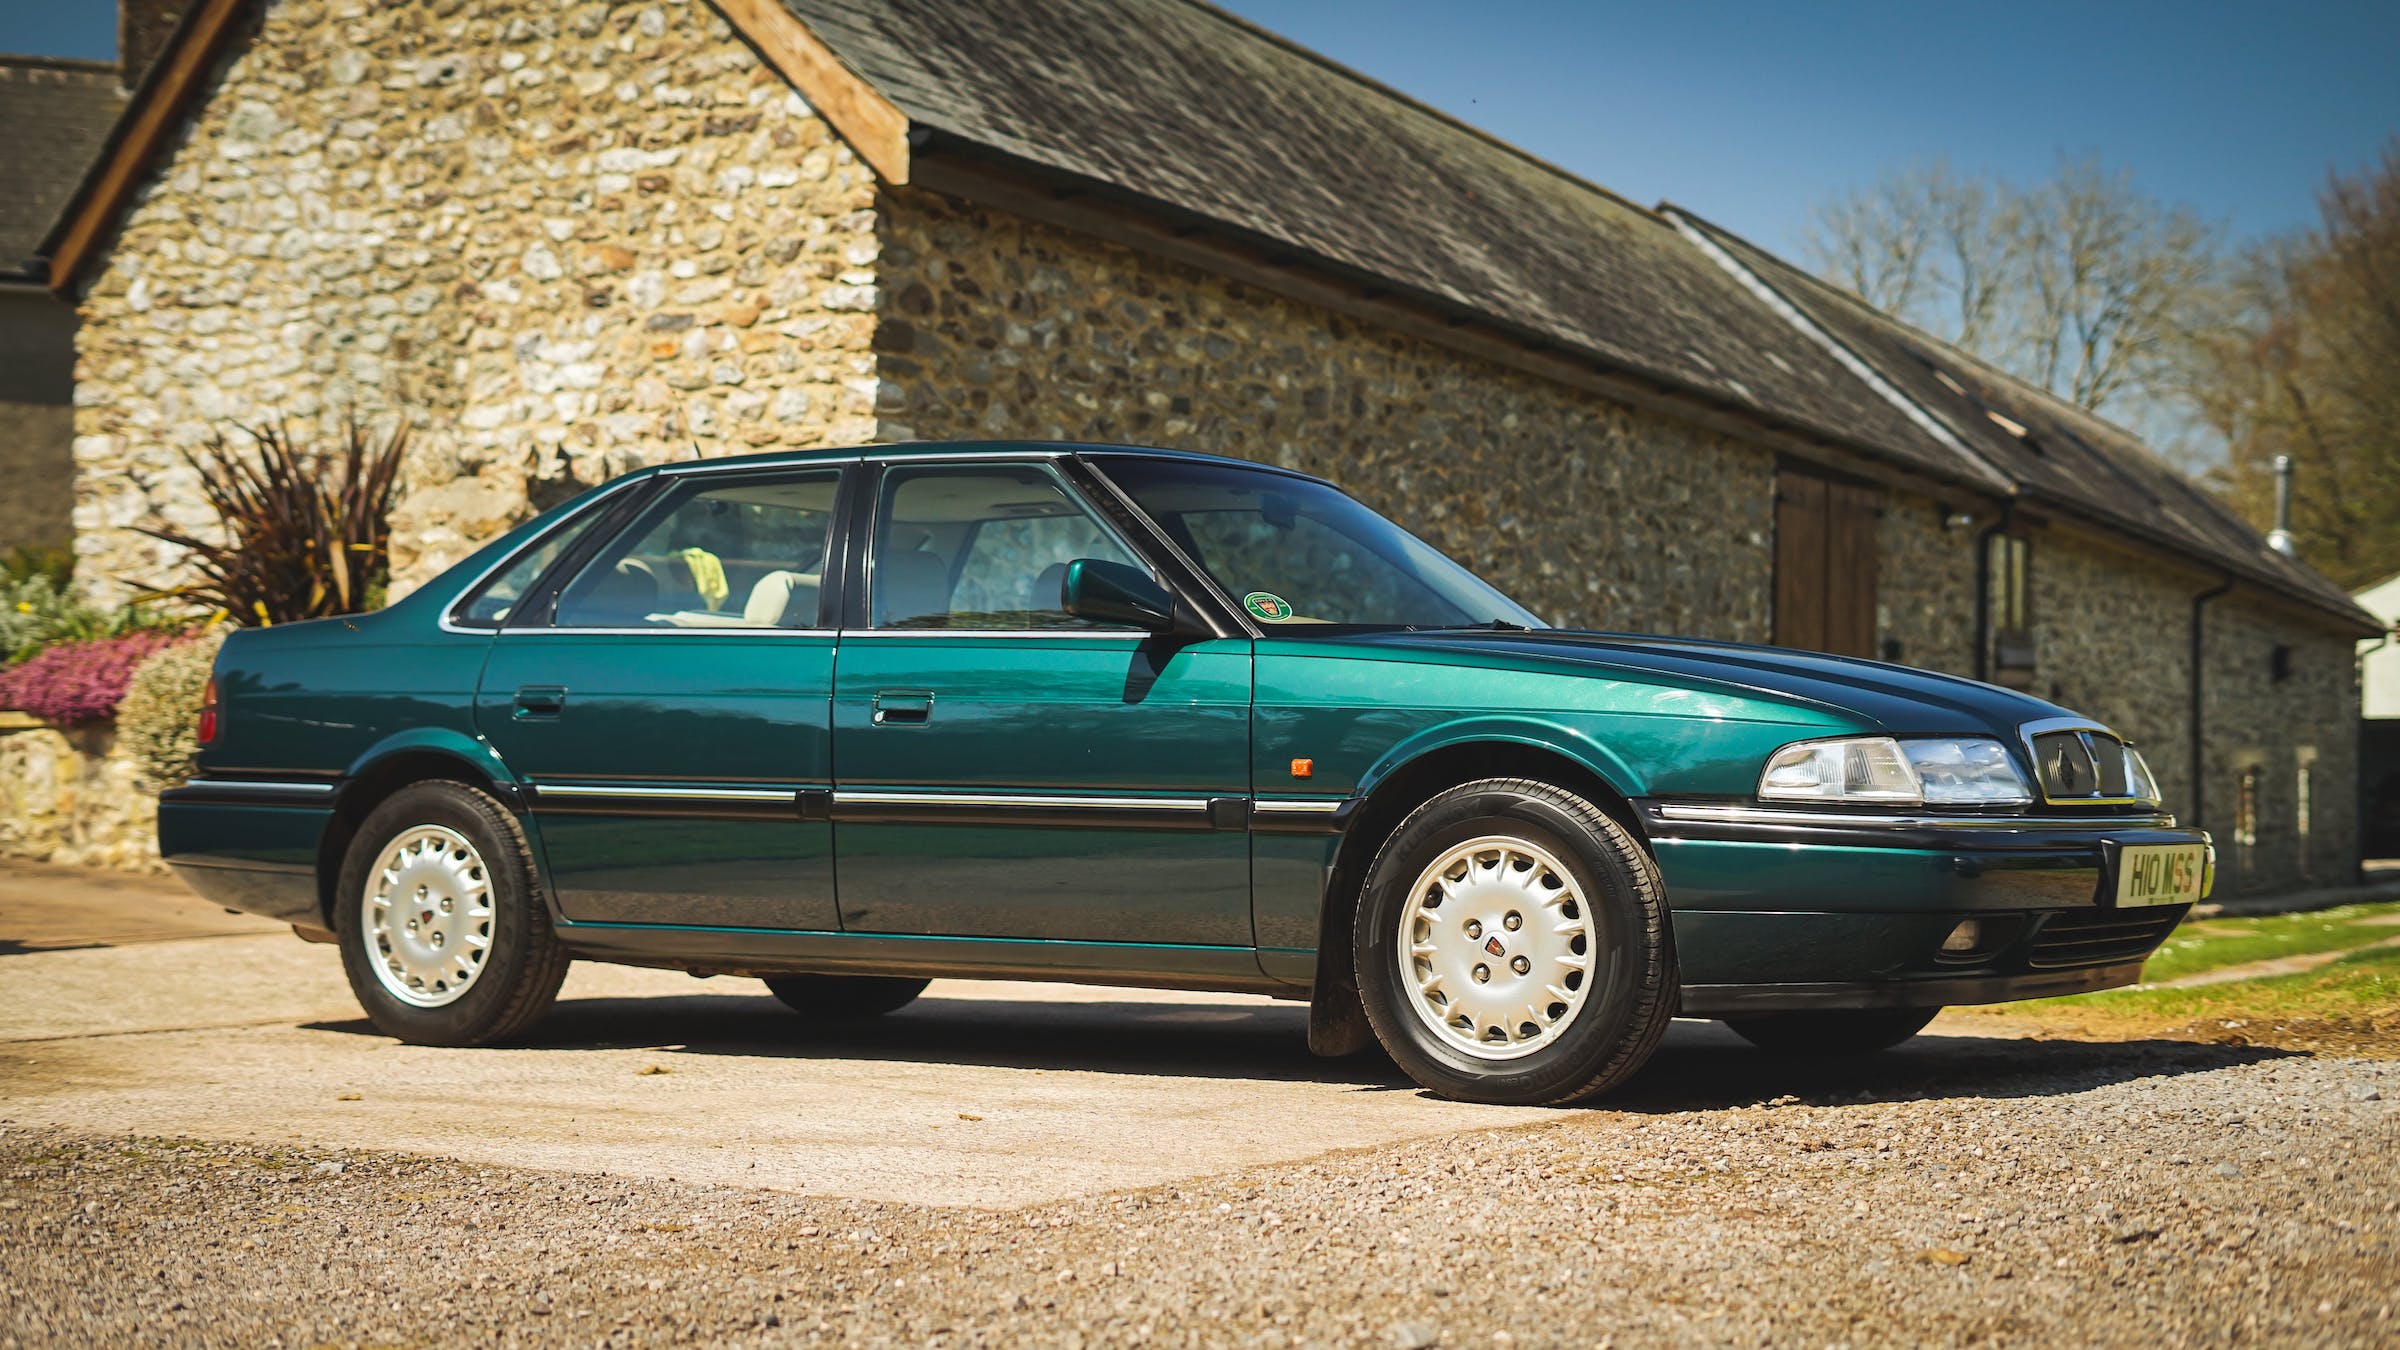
(979, 1094)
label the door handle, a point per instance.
(540, 700)
(894, 707)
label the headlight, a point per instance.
(1969, 771)
(2139, 785)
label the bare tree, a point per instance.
(2081, 284)
(2305, 361)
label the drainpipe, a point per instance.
(2200, 779)
(2280, 538)
(1983, 588)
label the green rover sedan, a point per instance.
(849, 721)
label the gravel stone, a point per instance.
(2035, 1207)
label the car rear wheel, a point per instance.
(1512, 945)
(443, 931)
(844, 997)
(1832, 1031)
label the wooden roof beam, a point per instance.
(872, 124)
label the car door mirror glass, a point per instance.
(1100, 591)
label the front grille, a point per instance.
(2101, 937)
(2081, 765)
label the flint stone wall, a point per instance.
(1592, 513)
(561, 241)
(68, 795)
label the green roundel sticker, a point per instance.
(1267, 605)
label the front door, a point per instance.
(1005, 770)
(673, 711)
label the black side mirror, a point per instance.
(1113, 593)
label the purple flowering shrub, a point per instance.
(77, 682)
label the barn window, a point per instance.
(2245, 818)
(2012, 610)
(2303, 788)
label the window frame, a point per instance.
(559, 577)
(866, 519)
(606, 513)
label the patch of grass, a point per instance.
(2349, 1005)
(2362, 981)
(2212, 944)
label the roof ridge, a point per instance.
(1452, 120)
(1850, 297)
(80, 65)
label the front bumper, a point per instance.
(1778, 911)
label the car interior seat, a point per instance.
(782, 599)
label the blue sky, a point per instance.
(1751, 113)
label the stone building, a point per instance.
(568, 239)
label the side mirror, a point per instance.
(1113, 593)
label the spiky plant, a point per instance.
(307, 532)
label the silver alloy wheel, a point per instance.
(427, 916)
(1496, 947)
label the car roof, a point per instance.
(907, 450)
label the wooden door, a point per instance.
(1825, 563)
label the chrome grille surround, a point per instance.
(2078, 763)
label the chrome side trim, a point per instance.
(1080, 634)
(868, 797)
(1761, 815)
(553, 631)
(575, 792)
(1311, 807)
(262, 787)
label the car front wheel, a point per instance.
(1832, 1031)
(440, 917)
(1513, 947)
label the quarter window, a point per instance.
(496, 599)
(714, 552)
(981, 547)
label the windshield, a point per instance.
(1295, 553)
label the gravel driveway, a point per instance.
(2159, 1195)
(1110, 1172)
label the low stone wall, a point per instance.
(68, 795)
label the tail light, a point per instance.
(208, 712)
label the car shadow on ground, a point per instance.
(1701, 1066)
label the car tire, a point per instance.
(844, 998)
(1832, 1031)
(444, 931)
(1539, 967)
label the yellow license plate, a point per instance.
(2161, 874)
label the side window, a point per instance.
(492, 602)
(980, 547)
(714, 552)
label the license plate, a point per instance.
(2160, 874)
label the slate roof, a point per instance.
(2068, 457)
(1179, 106)
(54, 117)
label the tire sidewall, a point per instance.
(516, 929)
(1614, 1006)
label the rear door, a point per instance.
(671, 708)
